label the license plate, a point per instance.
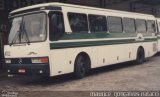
(21, 71)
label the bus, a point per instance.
(158, 34)
(52, 39)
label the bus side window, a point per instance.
(78, 22)
(159, 27)
(115, 24)
(129, 25)
(97, 23)
(56, 25)
(141, 26)
(151, 26)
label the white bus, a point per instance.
(54, 38)
(158, 34)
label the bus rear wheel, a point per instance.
(140, 56)
(80, 68)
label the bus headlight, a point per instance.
(7, 61)
(40, 60)
(7, 53)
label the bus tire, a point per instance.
(80, 69)
(140, 56)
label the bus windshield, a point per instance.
(27, 28)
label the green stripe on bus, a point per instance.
(96, 43)
(100, 35)
(158, 37)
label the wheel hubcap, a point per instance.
(82, 69)
(141, 57)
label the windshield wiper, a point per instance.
(23, 32)
(15, 38)
(20, 34)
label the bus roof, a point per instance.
(75, 6)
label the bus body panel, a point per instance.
(24, 50)
(21, 59)
(158, 34)
(158, 43)
(63, 59)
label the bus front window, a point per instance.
(14, 29)
(28, 28)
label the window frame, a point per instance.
(109, 26)
(51, 13)
(135, 28)
(25, 14)
(154, 27)
(88, 30)
(158, 27)
(106, 24)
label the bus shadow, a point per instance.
(70, 77)
(112, 67)
(157, 55)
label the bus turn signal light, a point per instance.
(40, 60)
(44, 60)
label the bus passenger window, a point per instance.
(151, 26)
(141, 26)
(129, 25)
(56, 25)
(78, 22)
(115, 24)
(97, 23)
(159, 28)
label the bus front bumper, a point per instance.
(28, 69)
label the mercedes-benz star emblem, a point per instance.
(20, 61)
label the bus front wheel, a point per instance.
(140, 56)
(80, 67)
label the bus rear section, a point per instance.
(158, 34)
(27, 52)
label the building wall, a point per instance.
(128, 6)
(157, 13)
(2, 16)
(125, 6)
(85, 2)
